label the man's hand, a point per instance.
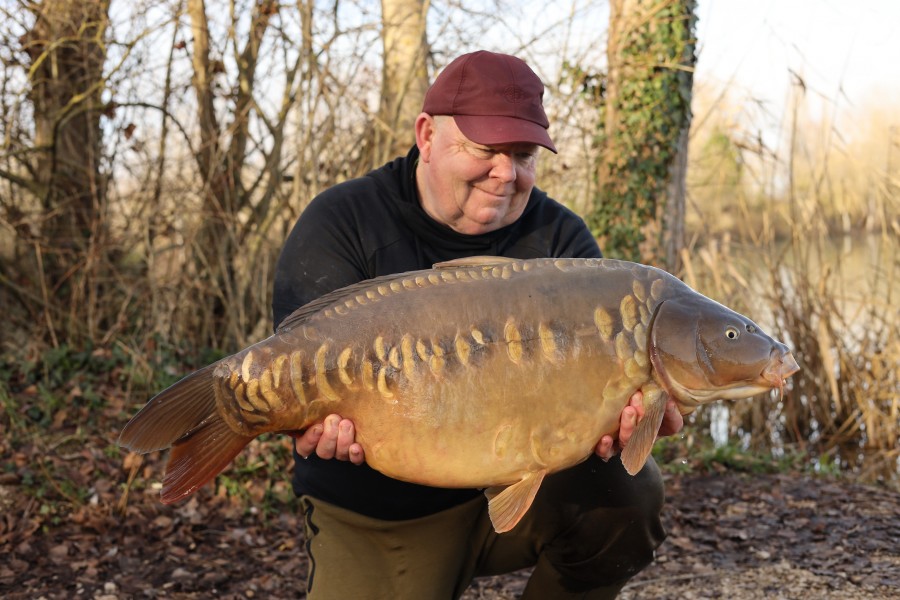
(334, 438)
(672, 423)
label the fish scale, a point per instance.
(484, 372)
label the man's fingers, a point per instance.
(627, 424)
(333, 438)
(327, 445)
(306, 443)
(345, 438)
(606, 448)
(637, 402)
(673, 420)
(357, 456)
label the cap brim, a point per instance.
(503, 130)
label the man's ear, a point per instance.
(425, 129)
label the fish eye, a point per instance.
(732, 333)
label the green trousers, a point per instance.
(590, 529)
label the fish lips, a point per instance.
(782, 365)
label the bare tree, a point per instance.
(62, 170)
(221, 159)
(405, 76)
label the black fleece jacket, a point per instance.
(373, 226)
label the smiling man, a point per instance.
(466, 189)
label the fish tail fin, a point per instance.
(199, 456)
(184, 417)
(172, 414)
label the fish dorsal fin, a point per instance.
(475, 261)
(638, 448)
(306, 311)
(508, 504)
(336, 297)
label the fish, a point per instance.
(482, 372)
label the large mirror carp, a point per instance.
(483, 372)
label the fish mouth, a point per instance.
(782, 365)
(779, 368)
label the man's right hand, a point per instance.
(334, 438)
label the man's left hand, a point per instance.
(672, 423)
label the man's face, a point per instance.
(471, 187)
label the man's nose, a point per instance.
(504, 167)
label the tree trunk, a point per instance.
(405, 76)
(67, 50)
(217, 244)
(639, 210)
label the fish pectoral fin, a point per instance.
(638, 448)
(475, 261)
(508, 504)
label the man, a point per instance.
(465, 189)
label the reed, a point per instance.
(843, 408)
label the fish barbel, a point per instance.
(505, 370)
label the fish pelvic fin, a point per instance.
(172, 414)
(508, 504)
(198, 457)
(638, 448)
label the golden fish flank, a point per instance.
(604, 322)
(549, 346)
(269, 393)
(463, 349)
(240, 396)
(423, 351)
(343, 362)
(639, 291)
(367, 371)
(646, 315)
(628, 311)
(246, 365)
(297, 381)
(633, 369)
(408, 357)
(657, 288)
(254, 398)
(595, 321)
(624, 345)
(278, 369)
(394, 358)
(383, 388)
(640, 338)
(322, 383)
(502, 440)
(381, 350)
(437, 361)
(513, 338)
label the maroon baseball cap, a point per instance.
(494, 99)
